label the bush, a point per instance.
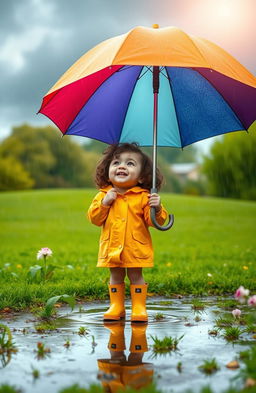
(13, 176)
(194, 187)
(39, 157)
(231, 166)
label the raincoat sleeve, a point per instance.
(97, 212)
(160, 216)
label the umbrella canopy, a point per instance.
(107, 93)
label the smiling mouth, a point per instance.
(121, 174)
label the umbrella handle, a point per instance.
(153, 216)
(156, 225)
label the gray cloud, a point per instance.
(7, 9)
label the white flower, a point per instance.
(44, 252)
(209, 274)
(236, 313)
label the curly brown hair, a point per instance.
(114, 151)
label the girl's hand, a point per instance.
(110, 197)
(154, 201)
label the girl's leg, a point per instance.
(135, 275)
(116, 288)
(117, 275)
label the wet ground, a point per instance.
(116, 354)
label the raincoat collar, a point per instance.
(135, 189)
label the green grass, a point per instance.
(9, 389)
(249, 359)
(147, 389)
(7, 347)
(158, 316)
(232, 333)
(197, 305)
(165, 345)
(223, 322)
(210, 249)
(209, 366)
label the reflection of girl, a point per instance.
(122, 208)
(119, 371)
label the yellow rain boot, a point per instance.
(137, 376)
(136, 373)
(116, 310)
(116, 339)
(110, 370)
(138, 296)
(139, 339)
(110, 375)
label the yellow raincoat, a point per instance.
(125, 239)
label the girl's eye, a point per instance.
(115, 162)
(130, 163)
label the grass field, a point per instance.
(210, 249)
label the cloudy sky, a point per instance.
(40, 39)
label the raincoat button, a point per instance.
(120, 246)
(123, 219)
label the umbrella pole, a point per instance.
(154, 154)
(154, 142)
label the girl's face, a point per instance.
(124, 170)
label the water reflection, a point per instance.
(7, 347)
(5, 359)
(119, 370)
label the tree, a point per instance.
(231, 166)
(95, 146)
(13, 176)
(28, 146)
(51, 161)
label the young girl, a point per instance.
(122, 208)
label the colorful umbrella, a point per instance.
(199, 91)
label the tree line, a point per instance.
(37, 157)
(231, 166)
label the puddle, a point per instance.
(117, 354)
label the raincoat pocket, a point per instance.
(141, 246)
(139, 238)
(104, 244)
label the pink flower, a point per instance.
(252, 300)
(236, 313)
(44, 252)
(241, 292)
